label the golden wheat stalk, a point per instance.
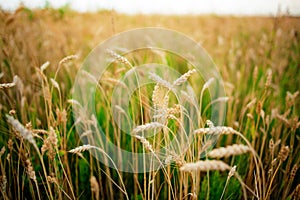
(9, 85)
(118, 57)
(86, 147)
(293, 172)
(145, 143)
(230, 174)
(205, 165)
(283, 119)
(147, 126)
(210, 124)
(25, 133)
(67, 59)
(235, 149)
(156, 95)
(2, 151)
(81, 148)
(90, 76)
(296, 192)
(182, 79)
(208, 83)
(157, 79)
(44, 66)
(54, 83)
(284, 153)
(217, 130)
(74, 102)
(50, 142)
(94, 186)
(114, 82)
(30, 170)
(174, 110)
(251, 103)
(269, 79)
(3, 183)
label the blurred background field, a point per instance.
(249, 51)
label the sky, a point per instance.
(219, 7)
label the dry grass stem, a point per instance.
(95, 186)
(283, 119)
(2, 151)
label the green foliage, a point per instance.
(216, 186)
(30, 13)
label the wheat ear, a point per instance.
(147, 126)
(157, 79)
(44, 66)
(205, 165)
(114, 82)
(235, 149)
(9, 85)
(118, 57)
(81, 148)
(145, 143)
(25, 133)
(217, 130)
(182, 79)
(67, 59)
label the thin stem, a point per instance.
(44, 169)
(272, 179)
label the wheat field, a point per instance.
(256, 155)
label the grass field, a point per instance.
(257, 57)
